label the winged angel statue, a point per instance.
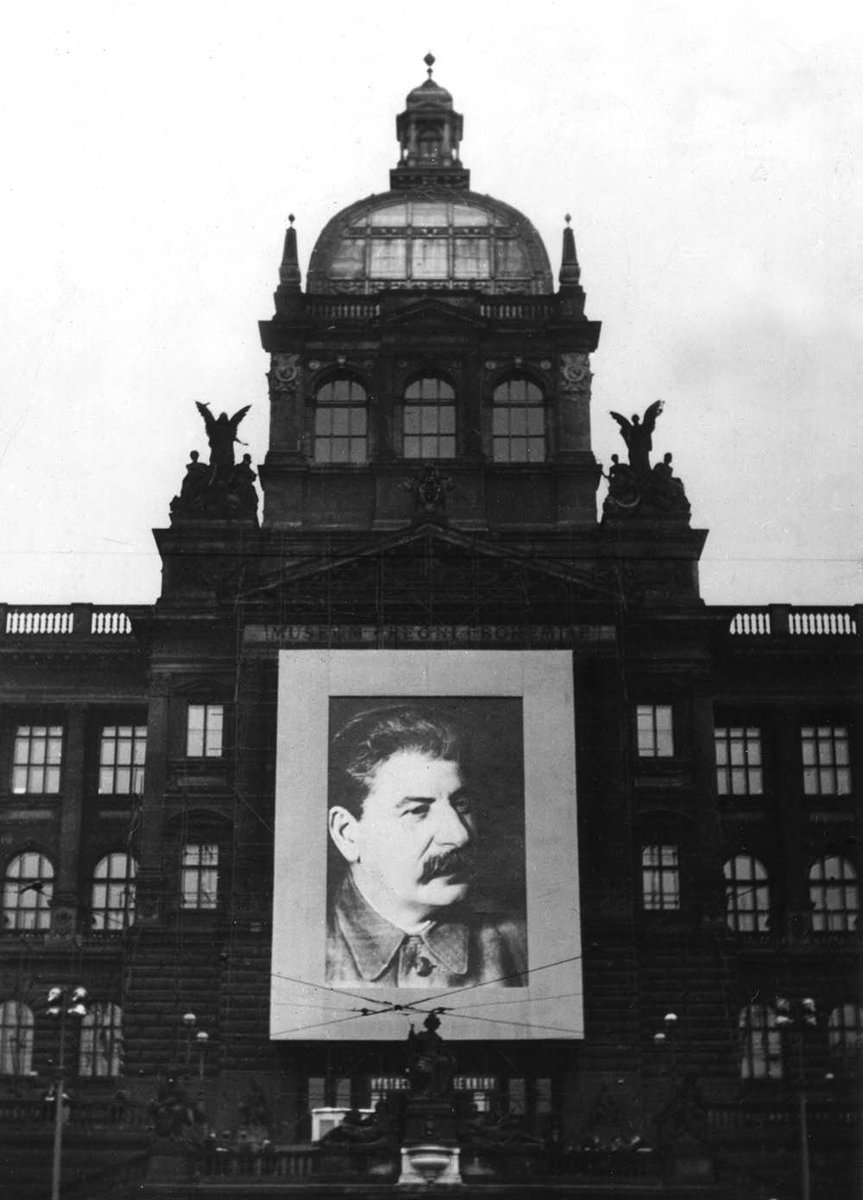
(221, 434)
(638, 436)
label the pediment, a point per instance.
(430, 310)
(430, 573)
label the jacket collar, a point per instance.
(375, 942)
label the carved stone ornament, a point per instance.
(285, 373)
(575, 374)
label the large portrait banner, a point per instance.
(426, 853)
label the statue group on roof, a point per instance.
(221, 489)
(636, 486)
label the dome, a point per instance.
(429, 93)
(436, 237)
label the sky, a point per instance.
(153, 151)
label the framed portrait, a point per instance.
(426, 852)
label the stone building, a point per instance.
(430, 487)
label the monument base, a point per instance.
(428, 1163)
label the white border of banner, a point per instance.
(303, 1007)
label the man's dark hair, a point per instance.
(373, 736)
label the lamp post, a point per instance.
(62, 1004)
(189, 1022)
(201, 1039)
(799, 1017)
(664, 1035)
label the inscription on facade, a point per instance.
(428, 635)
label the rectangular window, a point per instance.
(36, 760)
(826, 764)
(738, 760)
(660, 878)
(204, 730)
(655, 731)
(122, 752)
(200, 881)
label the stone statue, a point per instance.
(638, 436)
(624, 494)
(222, 491)
(221, 434)
(430, 1065)
(197, 474)
(667, 490)
(241, 484)
(637, 489)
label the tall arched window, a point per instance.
(27, 892)
(112, 903)
(833, 892)
(16, 1038)
(100, 1049)
(341, 422)
(845, 1034)
(760, 1043)
(428, 419)
(518, 422)
(747, 895)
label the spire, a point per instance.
(571, 290)
(429, 133)
(289, 270)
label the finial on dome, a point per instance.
(429, 61)
(567, 217)
(291, 218)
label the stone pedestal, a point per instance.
(429, 1163)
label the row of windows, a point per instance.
(28, 888)
(833, 892)
(762, 1045)
(824, 753)
(100, 1045)
(37, 756)
(100, 1042)
(426, 421)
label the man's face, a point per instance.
(416, 814)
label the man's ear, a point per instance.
(344, 829)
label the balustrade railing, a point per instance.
(66, 621)
(783, 620)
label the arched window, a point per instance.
(660, 878)
(112, 901)
(833, 892)
(341, 422)
(747, 895)
(27, 892)
(16, 1038)
(760, 1043)
(845, 1034)
(100, 1049)
(518, 422)
(428, 419)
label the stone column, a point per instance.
(64, 907)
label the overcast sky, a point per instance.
(709, 155)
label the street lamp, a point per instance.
(189, 1022)
(201, 1038)
(799, 1016)
(62, 1004)
(662, 1036)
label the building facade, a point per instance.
(430, 489)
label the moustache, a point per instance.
(458, 863)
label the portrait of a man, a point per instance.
(426, 868)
